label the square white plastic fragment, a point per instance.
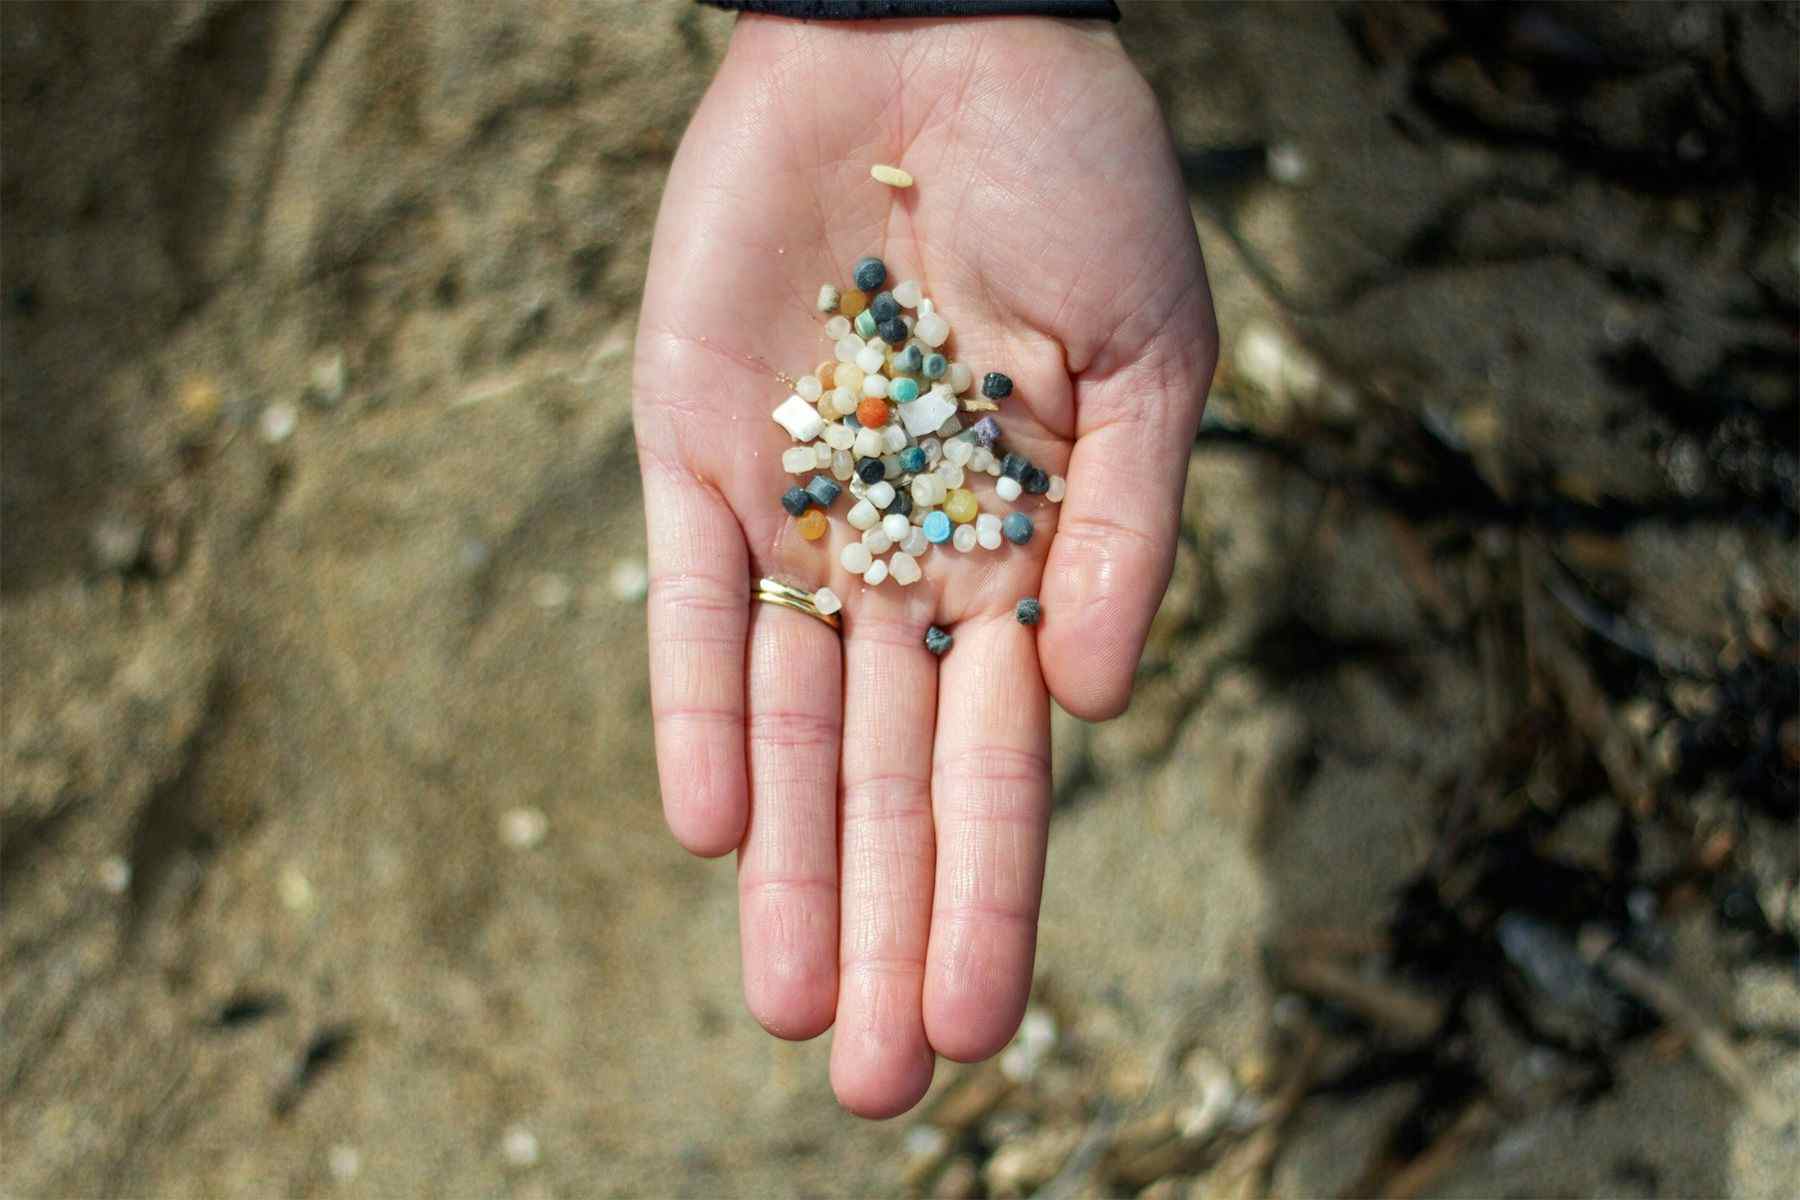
(800, 419)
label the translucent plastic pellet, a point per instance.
(839, 437)
(1007, 488)
(905, 569)
(897, 527)
(1059, 487)
(875, 386)
(988, 539)
(893, 439)
(843, 466)
(868, 443)
(909, 293)
(843, 402)
(828, 298)
(933, 330)
(934, 451)
(807, 388)
(924, 491)
(877, 572)
(826, 372)
(850, 376)
(988, 523)
(993, 468)
(822, 454)
(964, 538)
(950, 473)
(826, 601)
(881, 494)
(961, 378)
(959, 451)
(915, 542)
(847, 348)
(862, 515)
(877, 540)
(796, 459)
(856, 557)
(980, 460)
(926, 307)
(859, 490)
(867, 357)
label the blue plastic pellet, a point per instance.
(938, 641)
(824, 490)
(850, 421)
(937, 527)
(986, 431)
(910, 361)
(795, 500)
(870, 274)
(934, 366)
(903, 391)
(1028, 611)
(912, 459)
(885, 308)
(996, 386)
(1017, 528)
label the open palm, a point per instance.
(890, 809)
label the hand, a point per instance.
(890, 809)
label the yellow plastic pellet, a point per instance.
(961, 506)
(892, 176)
(853, 302)
(811, 524)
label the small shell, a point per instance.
(892, 176)
(978, 404)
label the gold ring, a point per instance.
(773, 591)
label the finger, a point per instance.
(991, 794)
(787, 871)
(881, 1063)
(698, 608)
(1115, 533)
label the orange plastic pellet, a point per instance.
(872, 413)
(827, 375)
(811, 524)
(852, 303)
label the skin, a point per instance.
(890, 809)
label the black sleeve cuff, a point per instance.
(864, 10)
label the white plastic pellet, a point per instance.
(908, 293)
(964, 538)
(862, 515)
(980, 460)
(949, 472)
(837, 328)
(934, 450)
(843, 402)
(800, 419)
(961, 378)
(828, 298)
(993, 467)
(926, 414)
(932, 329)
(893, 438)
(843, 466)
(877, 540)
(881, 494)
(868, 442)
(959, 451)
(988, 539)
(821, 455)
(809, 389)
(875, 386)
(826, 601)
(1059, 487)
(1007, 488)
(856, 557)
(908, 320)
(839, 437)
(867, 357)
(926, 307)
(796, 459)
(877, 572)
(988, 523)
(892, 176)
(905, 569)
(922, 492)
(897, 527)
(915, 542)
(890, 464)
(880, 343)
(847, 348)
(850, 376)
